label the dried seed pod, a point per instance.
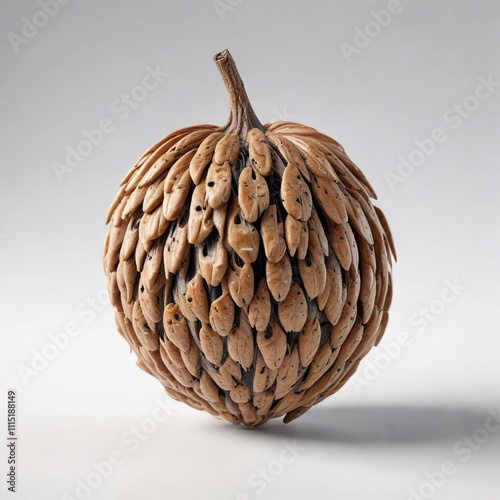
(249, 271)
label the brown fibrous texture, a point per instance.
(248, 268)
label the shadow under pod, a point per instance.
(360, 425)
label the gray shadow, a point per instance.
(387, 425)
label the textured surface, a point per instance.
(369, 441)
(250, 277)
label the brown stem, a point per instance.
(241, 115)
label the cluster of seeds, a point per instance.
(250, 275)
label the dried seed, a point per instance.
(297, 237)
(240, 394)
(176, 328)
(263, 377)
(153, 264)
(174, 201)
(313, 272)
(295, 194)
(279, 277)
(240, 343)
(203, 156)
(357, 219)
(196, 298)
(240, 281)
(200, 222)
(222, 314)
(253, 194)
(130, 239)
(166, 162)
(315, 160)
(263, 401)
(218, 184)
(154, 195)
(272, 233)
(156, 225)
(208, 388)
(230, 373)
(227, 149)
(259, 311)
(292, 311)
(340, 243)
(176, 248)
(114, 246)
(287, 374)
(272, 344)
(150, 303)
(330, 198)
(335, 300)
(145, 334)
(290, 153)
(242, 236)
(212, 345)
(213, 262)
(259, 152)
(308, 341)
(191, 359)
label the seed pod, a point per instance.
(248, 268)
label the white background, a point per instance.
(399, 418)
